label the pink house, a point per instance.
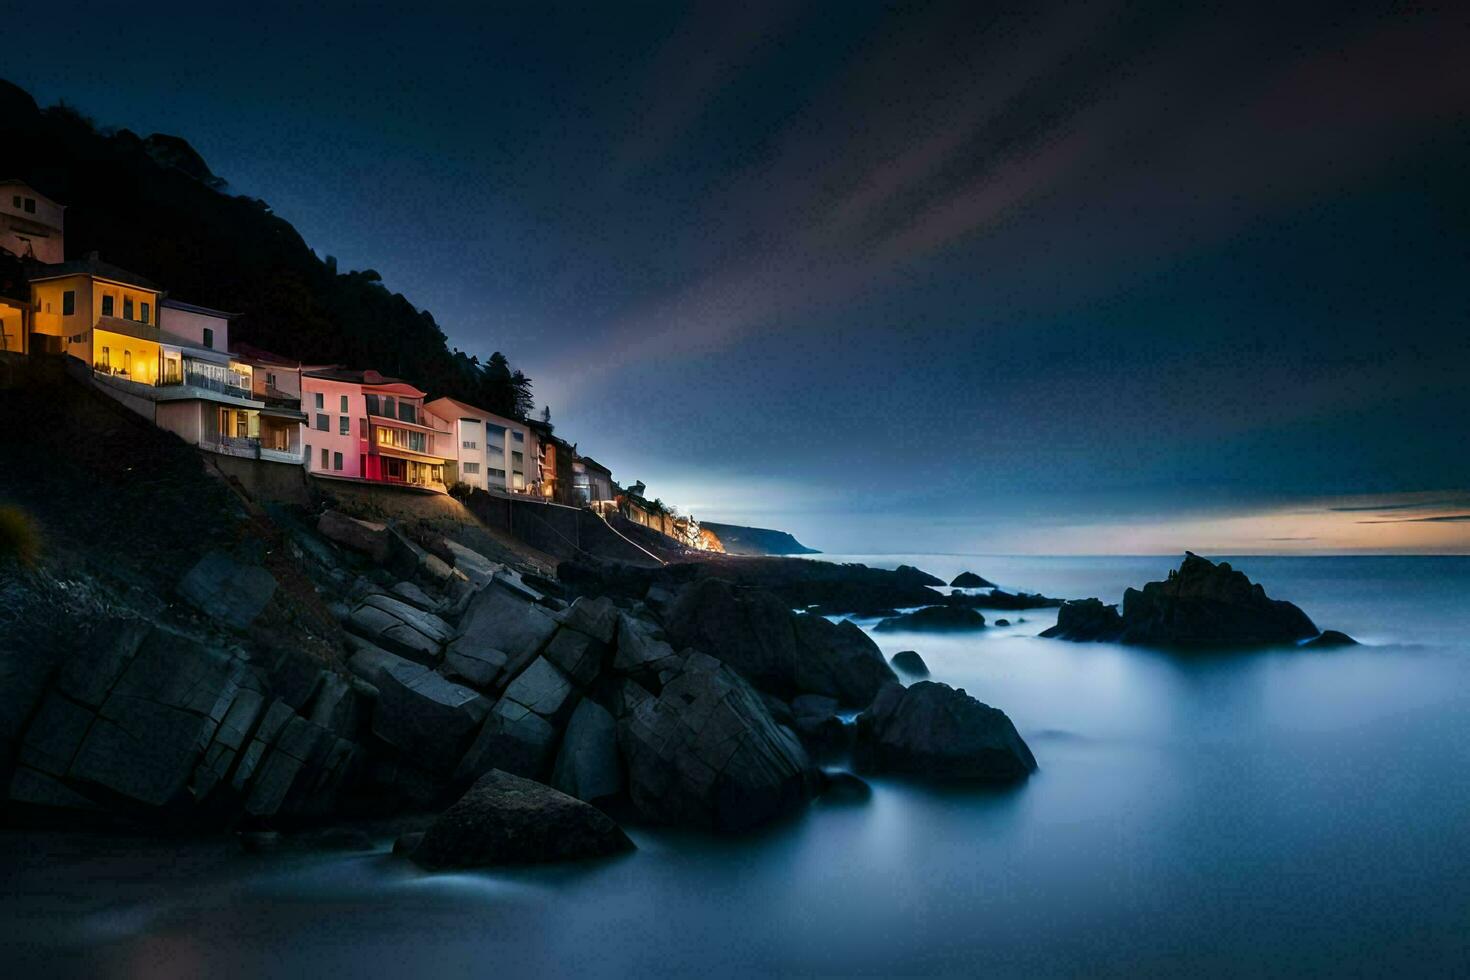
(363, 426)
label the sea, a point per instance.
(1283, 812)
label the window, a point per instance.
(128, 363)
(324, 459)
(68, 302)
(242, 424)
(15, 202)
(344, 424)
(471, 468)
(336, 461)
(498, 476)
(208, 337)
(270, 379)
(516, 436)
(127, 307)
(344, 404)
(30, 205)
(308, 454)
(319, 402)
(107, 359)
(471, 444)
(407, 411)
(323, 423)
(107, 305)
(143, 312)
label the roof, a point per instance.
(466, 409)
(92, 266)
(367, 378)
(174, 304)
(249, 352)
(589, 461)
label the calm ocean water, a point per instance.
(1241, 813)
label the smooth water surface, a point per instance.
(1283, 812)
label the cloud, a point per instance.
(1437, 519)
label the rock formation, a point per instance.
(932, 730)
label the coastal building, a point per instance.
(592, 483)
(31, 223)
(490, 450)
(276, 383)
(554, 460)
(364, 426)
(104, 316)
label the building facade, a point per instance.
(492, 452)
(31, 223)
(364, 426)
(276, 383)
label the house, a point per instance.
(555, 458)
(100, 314)
(492, 452)
(276, 382)
(592, 483)
(364, 426)
(31, 223)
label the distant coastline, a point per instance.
(741, 540)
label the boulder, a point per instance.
(427, 717)
(588, 765)
(598, 618)
(425, 622)
(775, 649)
(641, 654)
(513, 738)
(545, 690)
(415, 596)
(479, 665)
(1002, 622)
(226, 590)
(934, 619)
(385, 630)
(404, 558)
(706, 753)
(505, 819)
(578, 655)
(969, 580)
(498, 621)
(909, 662)
(932, 730)
(1000, 599)
(1331, 638)
(1086, 620)
(475, 566)
(814, 718)
(910, 574)
(365, 537)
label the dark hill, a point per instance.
(740, 540)
(153, 205)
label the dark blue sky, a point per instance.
(946, 277)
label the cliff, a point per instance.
(740, 540)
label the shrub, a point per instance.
(19, 539)
(460, 490)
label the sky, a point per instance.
(1093, 278)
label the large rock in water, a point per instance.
(931, 729)
(588, 765)
(1086, 619)
(775, 649)
(706, 753)
(505, 819)
(1199, 604)
(934, 619)
(969, 580)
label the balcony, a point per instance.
(211, 382)
(241, 446)
(296, 457)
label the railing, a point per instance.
(242, 446)
(296, 456)
(194, 379)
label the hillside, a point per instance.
(153, 206)
(739, 540)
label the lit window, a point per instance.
(344, 424)
(68, 302)
(107, 358)
(336, 461)
(208, 337)
(323, 423)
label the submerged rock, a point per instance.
(909, 662)
(969, 580)
(505, 819)
(1331, 638)
(931, 729)
(934, 619)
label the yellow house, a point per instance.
(104, 316)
